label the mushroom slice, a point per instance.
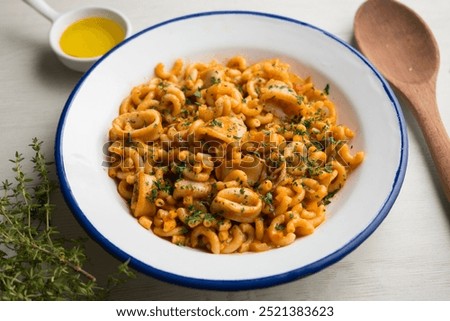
(140, 204)
(237, 204)
(278, 175)
(144, 125)
(185, 188)
(225, 129)
(280, 99)
(253, 166)
(211, 77)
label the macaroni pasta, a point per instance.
(229, 158)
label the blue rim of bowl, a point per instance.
(245, 284)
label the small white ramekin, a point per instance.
(61, 21)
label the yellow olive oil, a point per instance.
(91, 37)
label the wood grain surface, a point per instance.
(385, 29)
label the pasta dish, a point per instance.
(231, 157)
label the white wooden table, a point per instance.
(407, 258)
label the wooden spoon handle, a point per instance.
(422, 98)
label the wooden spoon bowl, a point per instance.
(400, 44)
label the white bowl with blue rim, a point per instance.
(364, 101)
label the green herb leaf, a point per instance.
(215, 123)
(36, 262)
(268, 198)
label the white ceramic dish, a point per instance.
(364, 103)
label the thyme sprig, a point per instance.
(36, 262)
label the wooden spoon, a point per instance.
(402, 47)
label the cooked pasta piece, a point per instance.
(229, 158)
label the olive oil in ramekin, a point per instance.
(91, 37)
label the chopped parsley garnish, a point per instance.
(198, 94)
(194, 217)
(215, 80)
(178, 168)
(159, 185)
(326, 200)
(197, 216)
(280, 227)
(307, 122)
(268, 198)
(326, 90)
(299, 132)
(216, 122)
(164, 186)
(328, 168)
(153, 195)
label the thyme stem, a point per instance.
(35, 263)
(74, 267)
